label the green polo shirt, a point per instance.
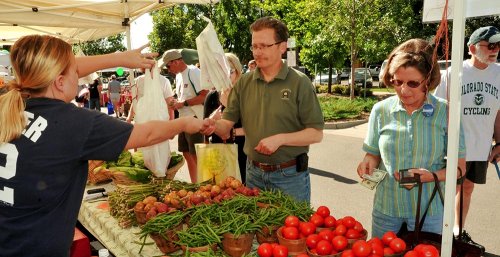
(286, 104)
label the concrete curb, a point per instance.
(343, 125)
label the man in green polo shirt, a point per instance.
(280, 114)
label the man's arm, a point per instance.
(220, 127)
(496, 134)
(304, 137)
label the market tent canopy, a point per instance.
(75, 20)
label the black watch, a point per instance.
(186, 103)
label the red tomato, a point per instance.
(326, 234)
(312, 241)
(411, 254)
(339, 243)
(329, 222)
(339, 222)
(307, 228)
(347, 253)
(290, 233)
(361, 248)
(317, 220)
(265, 250)
(292, 221)
(377, 249)
(387, 237)
(388, 251)
(352, 234)
(323, 211)
(358, 227)
(348, 221)
(324, 248)
(340, 230)
(398, 245)
(427, 251)
(280, 251)
(302, 255)
(376, 240)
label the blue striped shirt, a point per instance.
(405, 141)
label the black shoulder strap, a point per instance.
(191, 82)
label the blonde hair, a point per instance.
(235, 64)
(37, 61)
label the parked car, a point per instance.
(443, 65)
(381, 74)
(124, 83)
(374, 70)
(345, 73)
(322, 77)
(362, 76)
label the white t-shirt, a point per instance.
(186, 82)
(138, 87)
(480, 105)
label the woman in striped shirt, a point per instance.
(408, 131)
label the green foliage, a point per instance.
(335, 108)
(103, 45)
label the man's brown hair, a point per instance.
(280, 29)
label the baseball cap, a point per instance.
(490, 34)
(170, 55)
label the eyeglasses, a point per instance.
(262, 47)
(410, 83)
(492, 46)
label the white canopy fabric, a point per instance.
(75, 20)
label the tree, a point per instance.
(104, 45)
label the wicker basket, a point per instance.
(120, 178)
(100, 176)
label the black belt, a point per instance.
(274, 167)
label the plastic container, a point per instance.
(295, 247)
(103, 252)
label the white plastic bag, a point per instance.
(152, 106)
(215, 70)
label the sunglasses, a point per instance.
(410, 83)
(492, 46)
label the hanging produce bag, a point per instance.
(217, 161)
(152, 106)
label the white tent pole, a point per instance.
(454, 88)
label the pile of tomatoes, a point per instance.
(272, 250)
(423, 250)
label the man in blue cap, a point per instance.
(480, 107)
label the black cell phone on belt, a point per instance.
(302, 162)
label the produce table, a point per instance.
(94, 216)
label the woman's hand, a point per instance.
(368, 164)
(136, 59)
(216, 114)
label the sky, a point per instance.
(139, 30)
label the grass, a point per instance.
(342, 108)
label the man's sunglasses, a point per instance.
(492, 46)
(410, 83)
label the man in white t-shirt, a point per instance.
(479, 113)
(189, 102)
(137, 90)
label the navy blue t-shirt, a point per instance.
(43, 174)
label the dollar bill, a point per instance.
(371, 181)
(376, 176)
(368, 184)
